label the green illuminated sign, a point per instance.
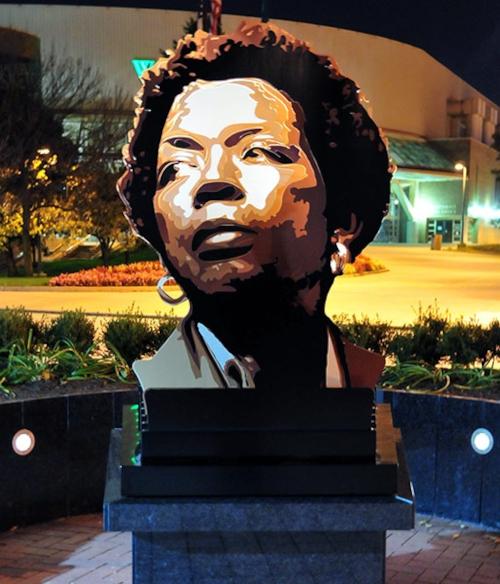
(140, 65)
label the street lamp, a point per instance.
(460, 166)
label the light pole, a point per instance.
(460, 166)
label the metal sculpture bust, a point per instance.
(255, 173)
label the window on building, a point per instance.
(459, 126)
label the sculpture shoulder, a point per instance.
(365, 367)
(176, 364)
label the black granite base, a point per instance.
(265, 557)
(450, 479)
(250, 540)
(65, 472)
(258, 463)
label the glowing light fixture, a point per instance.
(423, 209)
(482, 441)
(43, 151)
(459, 166)
(140, 65)
(23, 442)
(483, 212)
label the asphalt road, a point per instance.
(463, 283)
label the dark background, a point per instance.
(463, 34)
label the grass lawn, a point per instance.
(23, 281)
(56, 267)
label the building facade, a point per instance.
(440, 128)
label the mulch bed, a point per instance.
(46, 389)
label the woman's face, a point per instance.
(238, 190)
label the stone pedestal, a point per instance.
(264, 540)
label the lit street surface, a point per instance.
(464, 283)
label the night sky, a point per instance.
(463, 34)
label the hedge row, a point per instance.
(432, 352)
(69, 347)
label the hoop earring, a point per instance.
(166, 297)
(339, 259)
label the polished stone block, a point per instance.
(247, 540)
(65, 472)
(458, 476)
(249, 557)
(89, 418)
(46, 468)
(490, 507)
(12, 482)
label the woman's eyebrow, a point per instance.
(236, 137)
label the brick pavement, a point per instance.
(76, 550)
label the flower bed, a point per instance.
(148, 274)
(363, 264)
(135, 274)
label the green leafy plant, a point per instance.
(130, 336)
(164, 328)
(421, 342)
(493, 341)
(73, 327)
(15, 327)
(474, 378)
(27, 363)
(93, 363)
(375, 335)
(413, 375)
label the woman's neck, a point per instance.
(286, 337)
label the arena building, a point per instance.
(440, 128)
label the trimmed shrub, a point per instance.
(15, 327)
(73, 327)
(494, 339)
(422, 341)
(130, 336)
(374, 336)
(162, 331)
(465, 342)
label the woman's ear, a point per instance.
(341, 241)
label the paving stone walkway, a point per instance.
(76, 550)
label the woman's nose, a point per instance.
(216, 191)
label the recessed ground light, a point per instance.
(23, 442)
(482, 441)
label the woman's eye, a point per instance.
(271, 154)
(252, 153)
(167, 174)
(180, 143)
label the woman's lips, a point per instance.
(223, 242)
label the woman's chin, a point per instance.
(225, 276)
